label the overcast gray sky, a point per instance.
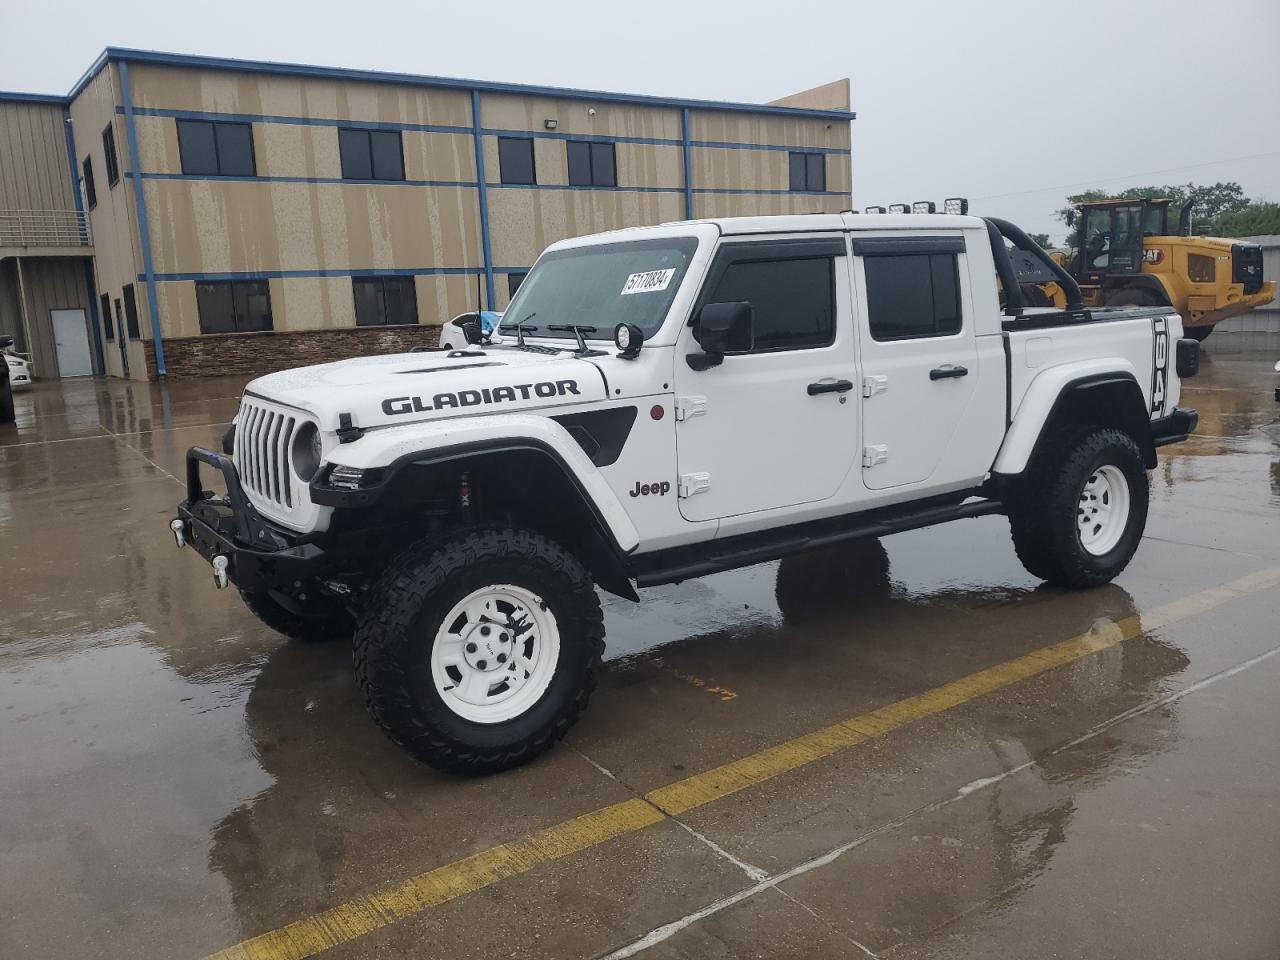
(1014, 104)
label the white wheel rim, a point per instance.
(1103, 511)
(495, 653)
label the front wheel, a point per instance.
(1079, 515)
(478, 653)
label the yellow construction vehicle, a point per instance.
(1127, 256)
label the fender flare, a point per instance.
(393, 449)
(1048, 395)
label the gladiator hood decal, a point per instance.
(402, 388)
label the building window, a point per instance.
(109, 151)
(793, 301)
(808, 172)
(371, 154)
(108, 328)
(131, 312)
(592, 164)
(216, 148)
(513, 283)
(515, 159)
(915, 295)
(233, 306)
(90, 191)
(385, 301)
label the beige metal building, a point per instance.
(187, 216)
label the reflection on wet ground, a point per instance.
(177, 779)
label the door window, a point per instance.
(793, 300)
(912, 295)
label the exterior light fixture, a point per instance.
(551, 123)
(923, 206)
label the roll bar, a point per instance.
(1000, 230)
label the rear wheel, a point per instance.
(478, 653)
(1079, 515)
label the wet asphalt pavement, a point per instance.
(175, 779)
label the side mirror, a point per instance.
(1071, 218)
(471, 332)
(722, 328)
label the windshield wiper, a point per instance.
(577, 329)
(521, 327)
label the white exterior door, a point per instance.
(919, 359)
(71, 337)
(775, 426)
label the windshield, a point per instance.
(602, 286)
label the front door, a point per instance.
(919, 358)
(122, 340)
(1127, 227)
(776, 425)
(71, 340)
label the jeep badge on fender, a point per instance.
(656, 489)
(454, 512)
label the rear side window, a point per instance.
(793, 300)
(912, 295)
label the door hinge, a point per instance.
(877, 453)
(873, 385)
(691, 483)
(689, 407)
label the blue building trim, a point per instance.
(92, 288)
(256, 179)
(326, 274)
(449, 83)
(74, 170)
(16, 96)
(488, 132)
(483, 194)
(687, 153)
(144, 226)
(295, 121)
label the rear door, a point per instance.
(919, 358)
(775, 426)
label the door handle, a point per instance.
(830, 386)
(947, 371)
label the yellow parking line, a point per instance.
(355, 918)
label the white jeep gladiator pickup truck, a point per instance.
(663, 403)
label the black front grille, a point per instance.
(1246, 266)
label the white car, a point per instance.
(19, 371)
(663, 403)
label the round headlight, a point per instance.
(628, 337)
(307, 452)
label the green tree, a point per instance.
(1254, 220)
(1209, 202)
(1042, 239)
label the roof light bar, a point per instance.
(899, 208)
(874, 210)
(956, 205)
(924, 206)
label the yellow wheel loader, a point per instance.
(1127, 256)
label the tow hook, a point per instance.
(220, 578)
(177, 527)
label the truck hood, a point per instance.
(407, 387)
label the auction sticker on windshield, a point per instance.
(650, 281)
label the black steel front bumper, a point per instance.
(1174, 428)
(259, 555)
